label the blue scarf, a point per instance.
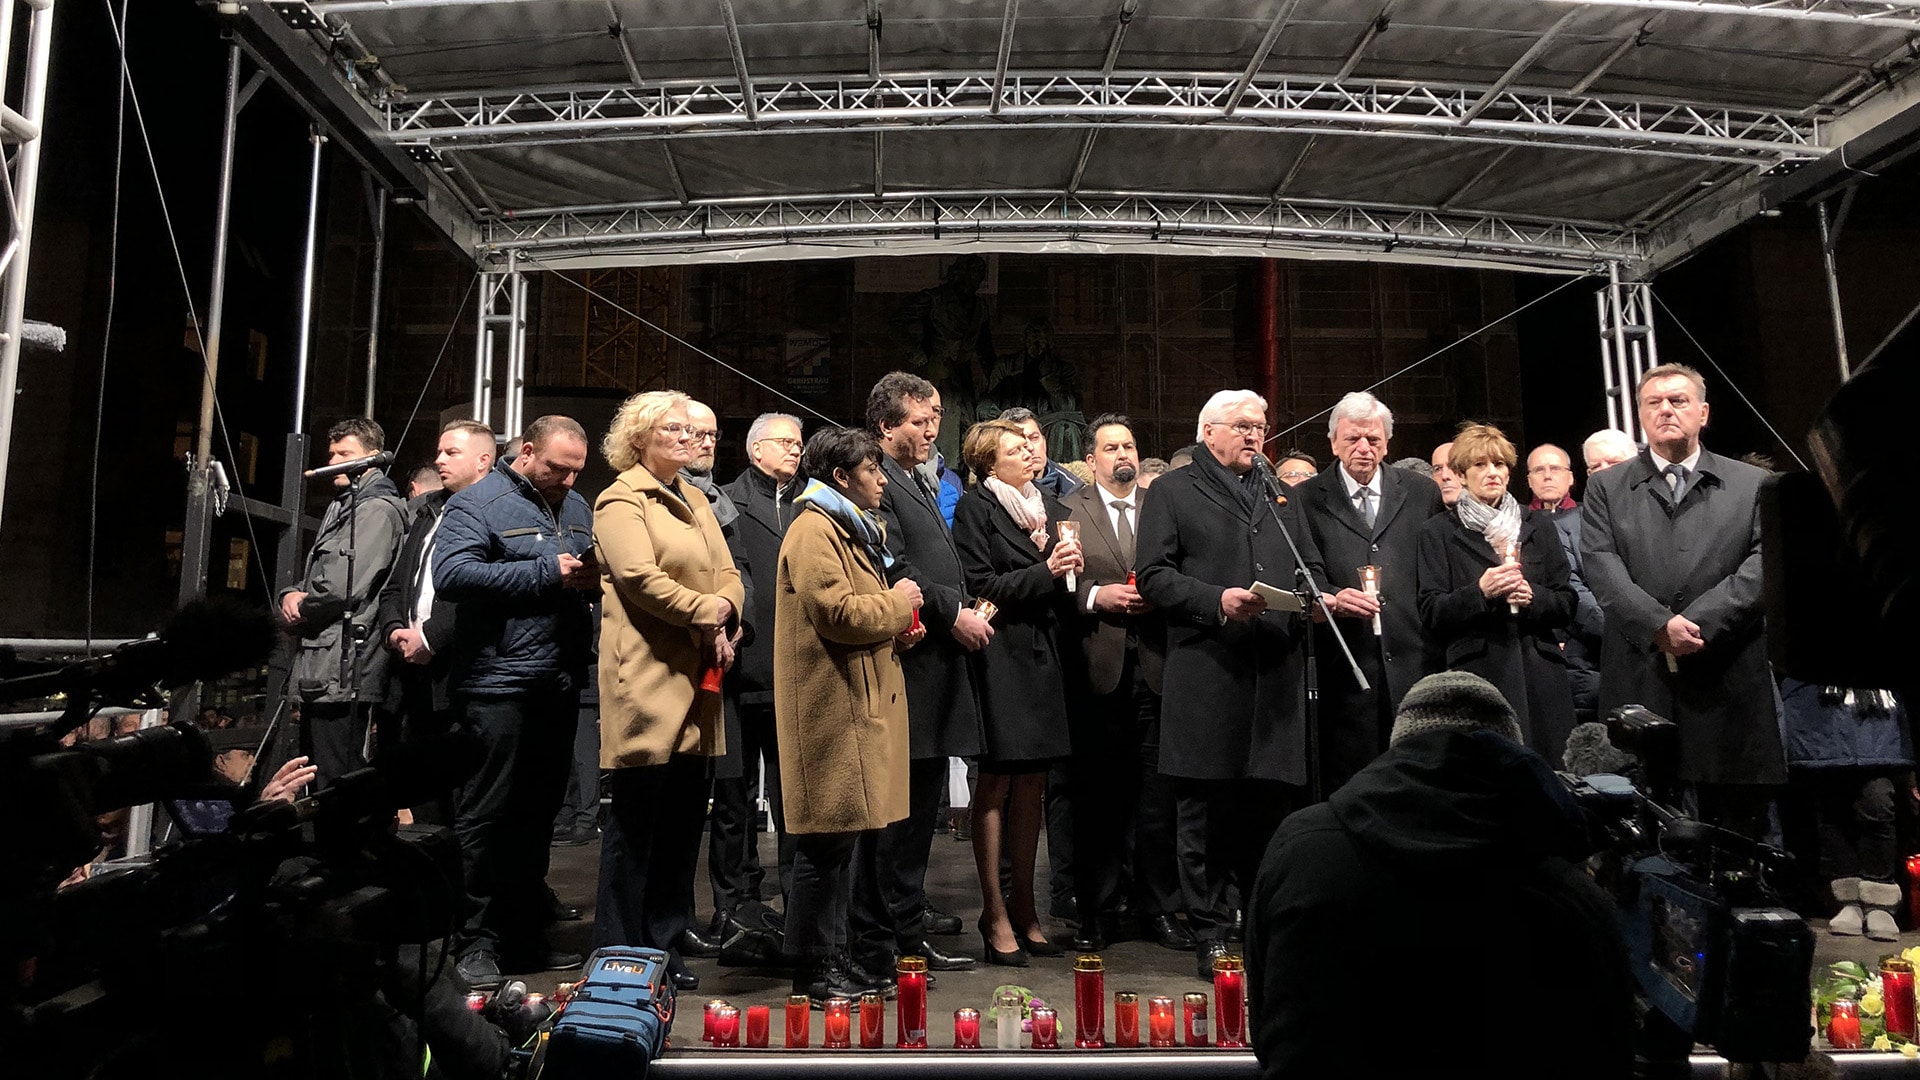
(863, 525)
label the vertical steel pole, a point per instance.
(516, 347)
(26, 184)
(1617, 308)
(1607, 372)
(483, 353)
(373, 307)
(304, 341)
(1833, 290)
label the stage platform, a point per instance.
(1135, 965)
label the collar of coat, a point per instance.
(679, 499)
(1643, 471)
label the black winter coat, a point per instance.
(943, 715)
(1520, 654)
(1439, 893)
(1234, 693)
(1022, 671)
(413, 687)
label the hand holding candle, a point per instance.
(1069, 533)
(986, 609)
(1370, 584)
(1511, 556)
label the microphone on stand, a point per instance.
(351, 468)
(1274, 486)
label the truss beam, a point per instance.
(1042, 216)
(962, 100)
(1895, 14)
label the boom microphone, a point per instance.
(1274, 487)
(351, 468)
(204, 640)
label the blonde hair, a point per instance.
(636, 417)
(1477, 442)
(981, 448)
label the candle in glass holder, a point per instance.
(1006, 1020)
(759, 1019)
(1193, 1010)
(1913, 889)
(726, 1026)
(1126, 1019)
(1046, 1028)
(838, 1026)
(873, 1021)
(966, 1029)
(1160, 1022)
(799, 1021)
(1896, 988)
(1843, 1025)
(1229, 1001)
(911, 1002)
(1511, 557)
(1370, 584)
(707, 1018)
(987, 609)
(477, 1001)
(1089, 1002)
(1069, 533)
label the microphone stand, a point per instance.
(1319, 599)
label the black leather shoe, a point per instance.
(560, 912)
(1166, 932)
(1204, 956)
(872, 976)
(751, 947)
(480, 969)
(686, 981)
(940, 923)
(1042, 947)
(1090, 938)
(938, 960)
(823, 981)
(703, 945)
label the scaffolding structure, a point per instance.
(21, 133)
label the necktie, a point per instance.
(1677, 481)
(1125, 531)
(1365, 495)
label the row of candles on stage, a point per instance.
(723, 1021)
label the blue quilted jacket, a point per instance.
(496, 555)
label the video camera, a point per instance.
(279, 938)
(1719, 958)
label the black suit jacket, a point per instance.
(943, 715)
(1103, 637)
(416, 685)
(1235, 692)
(1354, 722)
(1520, 654)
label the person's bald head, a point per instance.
(1549, 474)
(1443, 473)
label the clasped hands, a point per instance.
(1506, 582)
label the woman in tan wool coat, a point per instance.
(670, 610)
(839, 699)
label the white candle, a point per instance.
(1370, 584)
(1513, 559)
(1069, 533)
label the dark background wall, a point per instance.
(1149, 335)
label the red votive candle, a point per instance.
(1193, 1009)
(873, 1021)
(1046, 1028)
(1913, 889)
(1229, 1001)
(1843, 1025)
(726, 1026)
(1089, 1002)
(708, 1017)
(1896, 988)
(476, 1001)
(1126, 1019)
(911, 1002)
(966, 1029)
(838, 1025)
(799, 1021)
(1160, 1022)
(759, 1019)
(710, 679)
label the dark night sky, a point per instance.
(1755, 299)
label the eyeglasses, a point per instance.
(1241, 427)
(1547, 470)
(693, 434)
(784, 444)
(1296, 474)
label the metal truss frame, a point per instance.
(21, 131)
(663, 230)
(987, 100)
(1628, 349)
(501, 328)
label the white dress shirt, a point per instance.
(1112, 502)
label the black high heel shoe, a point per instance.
(1016, 958)
(1042, 947)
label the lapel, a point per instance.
(1476, 544)
(1645, 475)
(1393, 495)
(1016, 536)
(1334, 502)
(747, 495)
(1093, 506)
(1212, 480)
(907, 482)
(1706, 472)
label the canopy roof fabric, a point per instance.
(1545, 134)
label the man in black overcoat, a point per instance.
(1671, 542)
(889, 911)
(1233, 731)
(1362, 512)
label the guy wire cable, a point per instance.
(452, 328)
(1460, 341)
(1724, 377)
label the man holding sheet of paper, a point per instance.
(1233, 722)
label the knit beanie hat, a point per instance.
(1454, 701)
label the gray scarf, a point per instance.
(1500, 525)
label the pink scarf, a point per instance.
(1026, 506)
